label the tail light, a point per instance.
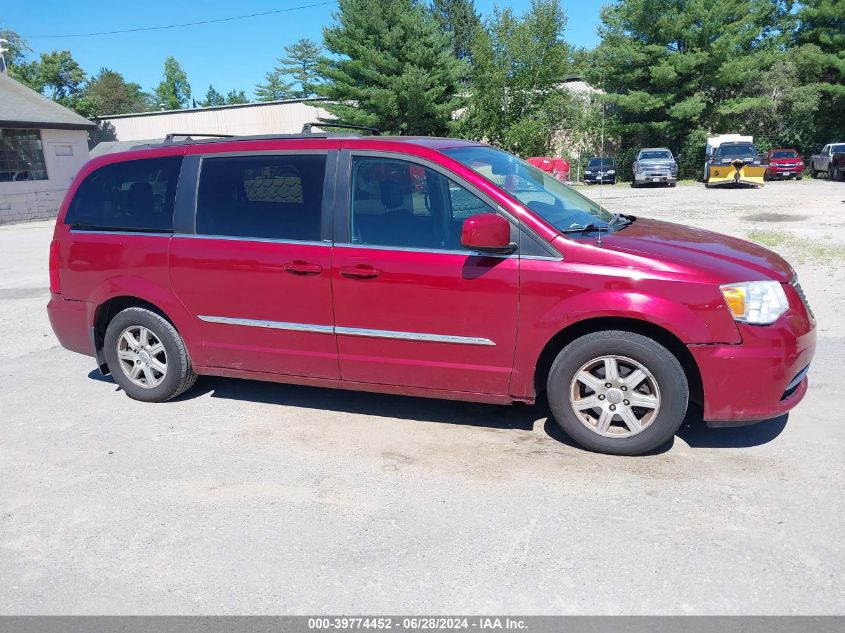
(55, 285)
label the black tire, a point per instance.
(797, 177)
(834, 173)
(634, 184)
(665, 370)
(814, 173)
(180, 375)
(673, 184)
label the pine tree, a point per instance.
(236, 96)
(213, 98)
(300, 63)
(392, 67)
(274, 88)
(460, 20)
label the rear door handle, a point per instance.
(361, 271)
(303, 268)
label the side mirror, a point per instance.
(487, 232)
(679, 158)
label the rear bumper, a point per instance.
(71, 322)
(761, 378)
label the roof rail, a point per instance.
(306, 129)
(189, 137)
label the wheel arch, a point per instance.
(107, 310)
(655, 332)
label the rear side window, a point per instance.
(264, 196)
(133, 195)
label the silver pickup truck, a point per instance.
(828, 162)
(655, 164)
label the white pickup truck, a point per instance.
(831, 161)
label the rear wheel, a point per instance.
(814, 173)
(147, 357)
(618, 392)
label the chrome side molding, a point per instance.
(349, 331)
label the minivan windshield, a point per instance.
(557, 203)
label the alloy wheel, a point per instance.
(142, 356)
(615, 396)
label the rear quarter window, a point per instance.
(133, 195)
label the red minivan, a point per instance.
(419, 266)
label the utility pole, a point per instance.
(3, 49)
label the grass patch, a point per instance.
(771, 239)
(800, 247)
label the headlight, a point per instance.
(588, 172)
(611, 171)
(755, 302)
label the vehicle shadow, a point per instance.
(693, 430)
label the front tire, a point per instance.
(641, 409)
(147, 357)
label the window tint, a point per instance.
(21, 156)
(277, 196)
(134, 195)
(397, 203)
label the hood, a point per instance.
(728, 258)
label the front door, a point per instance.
(256, 273)
(412, 307)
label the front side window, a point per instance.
(557, 203)
(21, 155)
(276, 196)
(132, 195)
(402, 204)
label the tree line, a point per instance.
(667, 73)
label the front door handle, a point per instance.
(361, 271)
(302, 268)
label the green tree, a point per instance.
(820, 61)
(678, 71)
(516, 97)
(392, 67)
(174, 92)
(110, 93)
(300, 63)
(274, 88)
(18, 66)
(460, 20)
(60, 75)
(236, 96)
(213, 98)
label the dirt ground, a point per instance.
(246, 497)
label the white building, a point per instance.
(269, 117)
(42, 147)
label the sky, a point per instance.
(231, 55)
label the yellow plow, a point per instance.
(737, 172)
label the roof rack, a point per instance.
(306, 129)
(190, 136)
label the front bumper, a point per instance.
(775, 171)
(600, 178)
(764, 376)
(655, 176)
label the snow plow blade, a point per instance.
(736, 173)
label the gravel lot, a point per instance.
(246, 497)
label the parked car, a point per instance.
(783, 163)
(418, 266)
(600, 170)
(655, 165)
(557, 167)
(732, 159)
(830, 162)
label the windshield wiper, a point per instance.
(592, 226)
(619, 218)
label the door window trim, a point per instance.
(187, 195)
(343, 208)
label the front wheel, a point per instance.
(146, 356)
(618, 392)
(833, 171)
